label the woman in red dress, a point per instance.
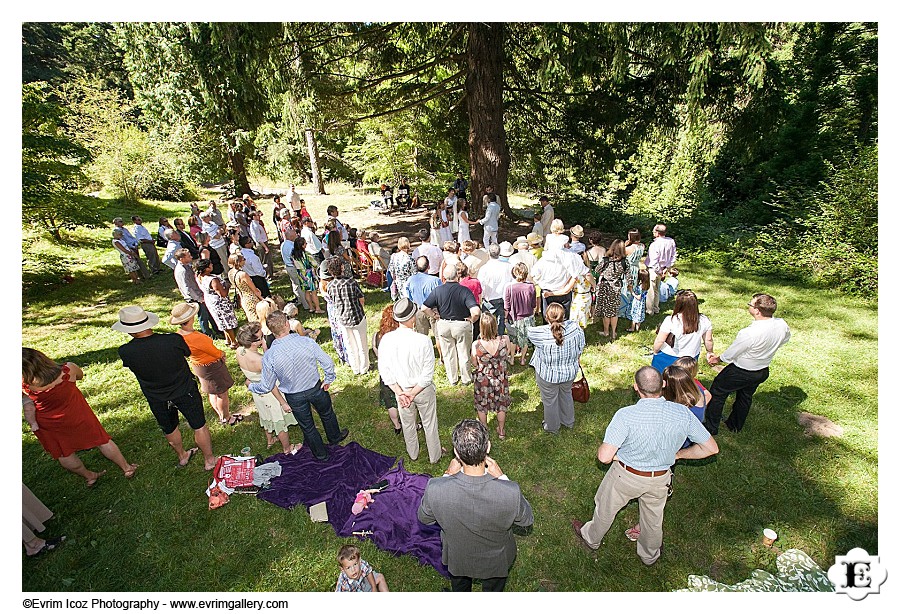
(61, 418)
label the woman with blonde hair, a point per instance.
(557, 351)
(129, 257)
(491, 354)
(241, 281)
(275, 414)
(60, 417)
(402, 267)
(557, 238)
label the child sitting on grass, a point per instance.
(356, 574)
(669, 285)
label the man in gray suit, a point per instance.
(476, 506)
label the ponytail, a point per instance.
(555, 316)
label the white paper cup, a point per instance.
(769, 537)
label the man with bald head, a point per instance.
(641, 444)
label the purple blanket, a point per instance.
(391, 518)
(305, 480)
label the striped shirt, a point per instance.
(649, 433)
(293, 362)
(556, 363)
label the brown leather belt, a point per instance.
(643, 474)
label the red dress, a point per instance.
(67, 423)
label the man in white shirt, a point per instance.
(434, 253)
(491, 220)
(293, 197)
(171, 246)
(660, 258)
(253, 266)
(555, 273)
(749, 357)
(409, 373)
(261, 239)
(546, 217)
(147, 244)
(313, 243)
(495, 276)
(333, 215)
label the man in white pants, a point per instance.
(491, 220)
(348, 301)
(409, 373)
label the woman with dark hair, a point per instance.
(306, 271)
(216, 298)
(386, 396)
(60, 417)
(333, 243)
(194, 226)
(634, 251)
(206, 251)
(337, 329)
(594, 254)
(688, 327)
(557, 351)
(611, 279)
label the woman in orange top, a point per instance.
(207, 362)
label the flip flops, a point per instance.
(633, 533)
(190, 453)
(92, 483)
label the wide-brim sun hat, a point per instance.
(534, 238)
(521, 243)
(404, 309)
(506, 249)
(133, 319)
(182, 312)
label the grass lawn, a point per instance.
(154, 532)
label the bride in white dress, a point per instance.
(464, 222)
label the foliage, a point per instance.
(51, 165)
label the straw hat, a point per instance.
(534, 238)
(521, 243)
(404, 309)
(133, 319)
(506, 249)
(576, 231)
(182, 312)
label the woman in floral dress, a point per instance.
(402, 267)
(306, 272)
(217, 302)
(611, 273)
(491, 354)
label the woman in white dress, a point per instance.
(274, 412)
(463, 221)
(451, 206)
(435, 224)
(444, 233)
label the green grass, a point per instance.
(154, 533)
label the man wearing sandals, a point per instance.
(641, 443)
(159, 361)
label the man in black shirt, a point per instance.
(455, 307)
(159, 361)
(460, 185)
(403, 194)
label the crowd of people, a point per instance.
(476, 307)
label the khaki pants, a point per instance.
(265, 256)
(425, 404)
(153, 260)
(425, 324)
(357, 344)
(653, 293)
(455, 339)
(616, 490)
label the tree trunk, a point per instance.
(313, 148)
(239, 170)
(488, 154)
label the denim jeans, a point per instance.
(300, 403)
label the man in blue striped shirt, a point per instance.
(642, 442)
(293, 363)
